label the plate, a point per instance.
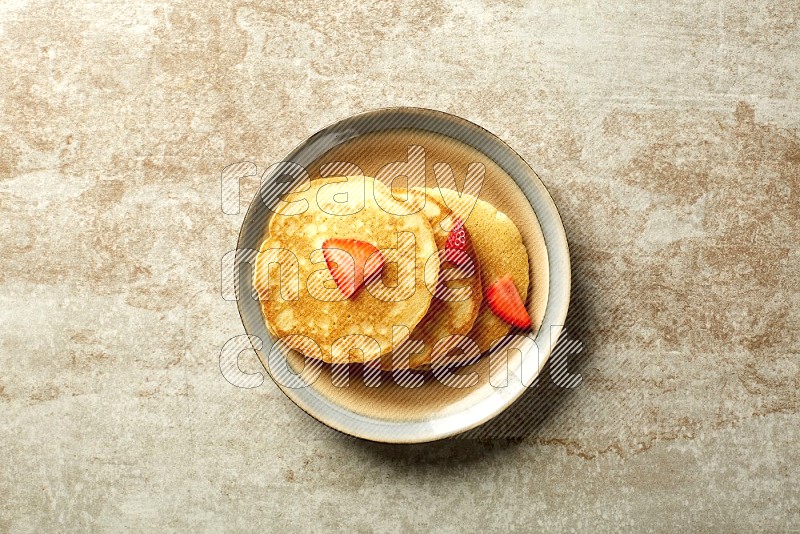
(428, 407)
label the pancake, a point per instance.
(500, 251)
(300, 298)
(450, 314)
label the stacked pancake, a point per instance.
(350, 273)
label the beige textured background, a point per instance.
(667, 132)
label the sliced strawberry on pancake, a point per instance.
(455, 249)
(505, 302)
(352, 263)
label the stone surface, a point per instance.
(667, 133)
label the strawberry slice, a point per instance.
(455, 249)
(351, 262)
(505, 302)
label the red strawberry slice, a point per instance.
(505, 302)
(455, 249)
(351, 263)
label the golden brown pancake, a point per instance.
(301, 299)
(499, 248)
(452, 312)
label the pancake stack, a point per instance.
(350, 273)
